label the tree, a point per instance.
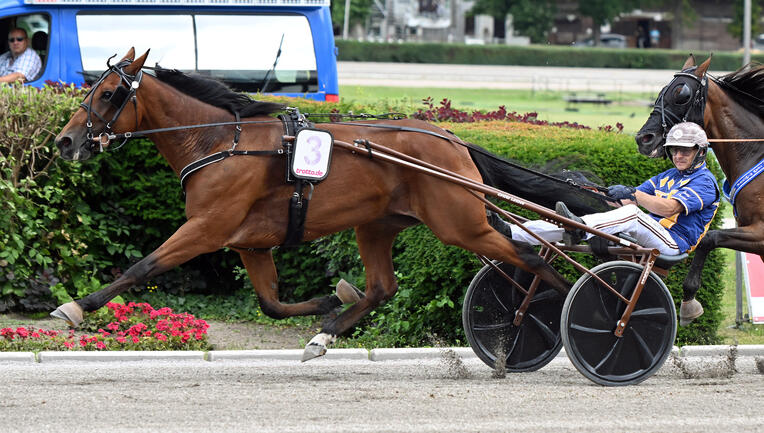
(532, 18)
(359, 11)
(603, 11)
(735, 28)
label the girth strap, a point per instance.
(217, 157)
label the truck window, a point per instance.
(239, 50)
(170, 38)
(37, 27)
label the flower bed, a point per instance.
(134, 326)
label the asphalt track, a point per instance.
(443, 393)
(539, 78)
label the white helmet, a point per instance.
(688, 134)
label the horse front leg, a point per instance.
(190, 240)
(262, 273)
(749, 239)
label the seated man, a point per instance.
(21, 63)
(681, 203)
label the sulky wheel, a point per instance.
(589, 319)
(489, 310)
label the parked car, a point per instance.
(607, 40)
(758, 42)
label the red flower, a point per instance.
(160, 337)
(100, 345)
(122, 339)
(113, 326)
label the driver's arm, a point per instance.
(664, 207)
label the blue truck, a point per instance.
(284, 47)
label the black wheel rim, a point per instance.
(592, 312)
(489, 311)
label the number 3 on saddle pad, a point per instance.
(312, 154)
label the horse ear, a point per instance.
(130, 54)
(701, 71)
(137, 64)
(689, 63)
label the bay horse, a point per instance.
(242, 202)
(730, 109)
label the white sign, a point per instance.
(312, 154)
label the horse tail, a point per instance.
(540, 188)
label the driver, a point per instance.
(20, 63)
(681, 202)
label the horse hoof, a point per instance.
(317, 346)
(347, 293)
(313, 350)
(70, 312)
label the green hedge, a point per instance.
(73, 226)
(533, 55)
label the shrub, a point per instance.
(118, 327)
(533, 55)
(74, 227)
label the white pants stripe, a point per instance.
(627, 219)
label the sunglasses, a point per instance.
(12, 40)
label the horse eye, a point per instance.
(682, 94)
(106, 95)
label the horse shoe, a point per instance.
(347, 293)
(317, 346)
(71, 312)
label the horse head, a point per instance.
(682, 100)
(110, 107)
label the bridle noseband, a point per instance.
(118, 99)
(696, 104)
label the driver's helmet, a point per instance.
(688, 134)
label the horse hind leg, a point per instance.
(262, 273)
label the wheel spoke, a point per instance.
(590, 330)
(611, 354)
(544, 296)
(493, 326)
(550, 337)
(656, 312)
(496, 296)
(645, 352)
(515, 340)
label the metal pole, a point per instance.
(738, 289)
(346, 20)
(746, 32)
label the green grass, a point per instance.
(630, 109)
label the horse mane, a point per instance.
(214, 92)
(745, 86)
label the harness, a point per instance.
(731, 191)
(697, 104)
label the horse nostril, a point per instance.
(63, 142)
(647, 138)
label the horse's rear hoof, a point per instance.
(348, 293)
(70, 312)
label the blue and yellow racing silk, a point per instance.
(699, 195)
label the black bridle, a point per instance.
(696, 91)
(119, 98)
